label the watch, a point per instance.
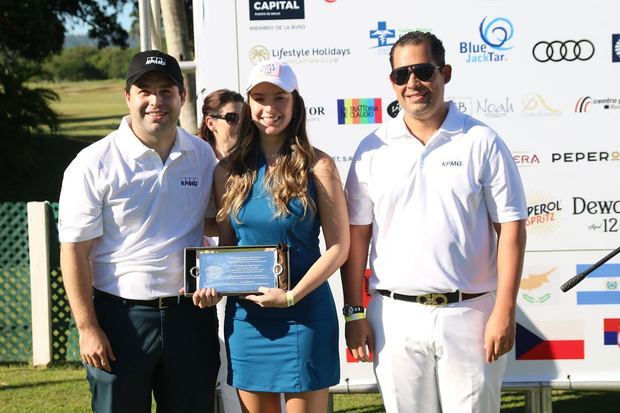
(349, 310)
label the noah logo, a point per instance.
(154, 60)
(189, 181)
(453, 162)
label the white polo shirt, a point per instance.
(141, 212)
(432, 207)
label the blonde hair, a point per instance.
(285, 180)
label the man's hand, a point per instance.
(205, 297)
(95, 349)
(360, 340)
(499, 334)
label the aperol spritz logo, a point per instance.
(543, 214)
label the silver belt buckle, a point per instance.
(160, 303)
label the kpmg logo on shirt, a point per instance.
(190, 181)
(451, 163)
(276, 10)
(359, 111)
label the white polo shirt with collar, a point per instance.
(432, 206)
(140, 212)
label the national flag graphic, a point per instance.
(605, 281)
(611, 331)
(560, 340)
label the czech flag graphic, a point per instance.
(561, 344)
(611, 331)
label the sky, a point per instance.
(75, 27)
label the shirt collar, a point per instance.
(452, 124)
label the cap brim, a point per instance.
(275, 82)
(133, 79)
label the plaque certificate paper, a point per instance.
(238, 270)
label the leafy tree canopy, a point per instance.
(34, 29)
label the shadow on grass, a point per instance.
(585, 401)
(39, 384)
(108, 127)
(71, 119)
(378, 408)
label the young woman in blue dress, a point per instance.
(273, 188)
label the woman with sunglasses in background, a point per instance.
(275, 188)
(220, 117)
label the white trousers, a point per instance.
(431, 359)
(227, 392)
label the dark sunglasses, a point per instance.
(231, 117)
(423, 72)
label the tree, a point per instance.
(30, 31)
(178, 44)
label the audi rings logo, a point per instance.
(569, 51)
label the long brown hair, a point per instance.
(285, 180)
(212, 104)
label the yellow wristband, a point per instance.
(355, 316)
(290, 299)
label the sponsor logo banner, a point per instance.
(558, 340)
(359, 111)
(496, 35)
(276, 10)
(535, 105)
(558, 51)
(586, 104)
(615, 48)
(601, 284)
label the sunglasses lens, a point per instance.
(424, 73)
(231, 117)
(400, 75)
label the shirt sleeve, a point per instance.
(502, 186)
(359, 202)
(80, 204)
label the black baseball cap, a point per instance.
(150, 60)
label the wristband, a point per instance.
(290, 299)
(354, 316)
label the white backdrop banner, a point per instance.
(544, 75)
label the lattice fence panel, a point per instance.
(15, 320)
(65, 339)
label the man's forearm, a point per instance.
(77, 279)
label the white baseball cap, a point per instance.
(275, 72)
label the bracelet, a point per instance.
(354, 316)
(290, 299)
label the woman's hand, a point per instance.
(206, 297)
(269, 297)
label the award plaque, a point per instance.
(236, 270)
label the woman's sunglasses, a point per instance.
(231, 117)
(423, 72)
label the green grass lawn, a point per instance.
(89, 110)
(65, 390)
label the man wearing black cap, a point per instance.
(130, 203)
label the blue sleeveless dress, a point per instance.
(291, 349)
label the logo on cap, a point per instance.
(154, 60)
(270, 69)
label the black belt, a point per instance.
(437, 299)
(158, 303)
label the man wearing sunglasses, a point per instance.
(438, 197)
(129, 205)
